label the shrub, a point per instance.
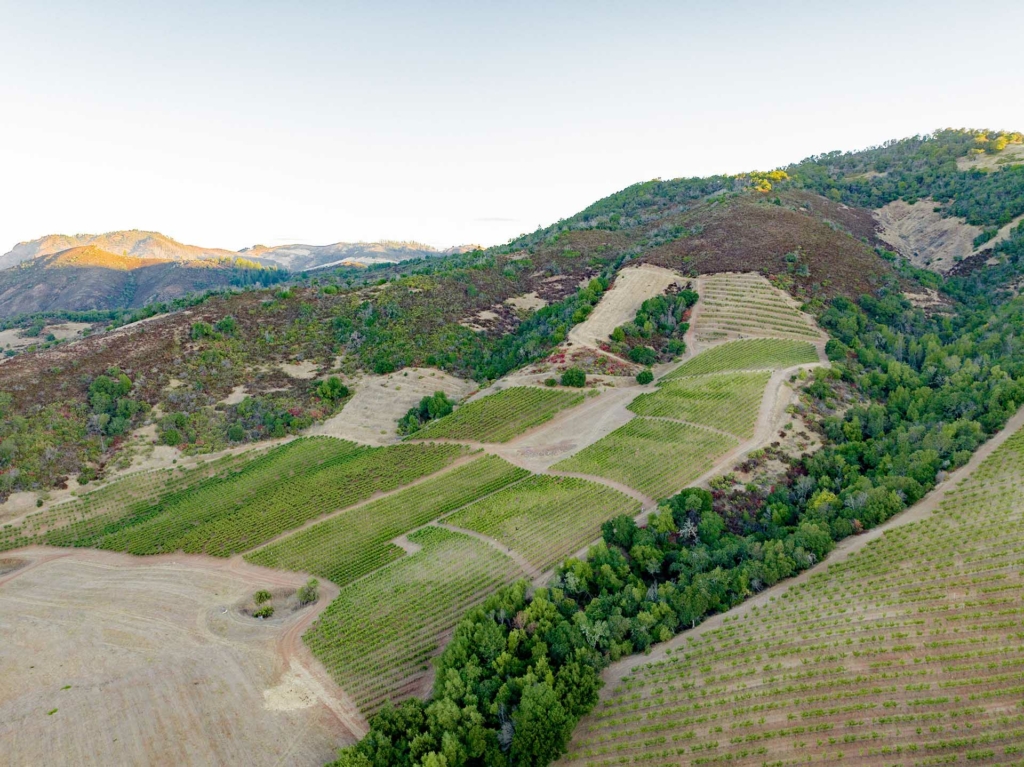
(309, 593)
(171, 437)
(574, 377)
(201, 330)
(550, 382)
(332, 389)
(644, 377)
(262, 596)
(264, 612)
(236, 433)
(643, 355)
(227, 325)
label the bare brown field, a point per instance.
(107, 659)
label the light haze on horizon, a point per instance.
(229, 124)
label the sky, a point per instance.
(226, 124)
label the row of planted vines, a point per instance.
(358, 541)
(728, 402)
(909, 652)
(656, 457)
(378, 637)
(501, 416)
(746, 304)
(546, 518)
(277, 491)
(749, 354)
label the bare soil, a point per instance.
(371, 416)
(109, 659)
(633, 285)
(925, 237)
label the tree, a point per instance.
(574, 377)
(542, 727)
(644, 377)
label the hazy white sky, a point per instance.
(227, 123)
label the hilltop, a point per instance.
(532, 464)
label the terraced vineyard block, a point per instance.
(377, 638)
(729, 402)
(656, 457)
(546, 518)
(501, 416)
(749, 354)
(750, 305)
(358, 541)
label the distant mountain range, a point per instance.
(136, 243)
(128, 269)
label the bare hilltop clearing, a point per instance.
(108, 659)
(632, 286)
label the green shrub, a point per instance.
(236, 433)
(574, 377)
(332, 389)
(643, 355)
(644, 377)
(264, 612)
(309, 593)
(262, 596)
(171, 437)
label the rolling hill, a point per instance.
(675, 402)
(129, 269)
(87, 277)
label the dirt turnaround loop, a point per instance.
(110, 659)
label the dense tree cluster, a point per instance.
(430, 408)
(656, 333)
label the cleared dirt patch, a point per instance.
(920, 234)
(13, 338)
(371, 416)
(105, 659)
(633, 285)
(305, 370)
(1013, 154)
(527, 302)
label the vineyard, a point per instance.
(501, 416)
(358, 541)
(749, 354)
(728, 402)
(376, 639)
(278, 491)
(546, 518)
(82, 518)
(656, 457)
(909, 652)
(747, 304)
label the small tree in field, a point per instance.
(309, 593)
(262, 596)
(644, 377)
(574, 377)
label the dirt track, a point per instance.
(148, 661)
